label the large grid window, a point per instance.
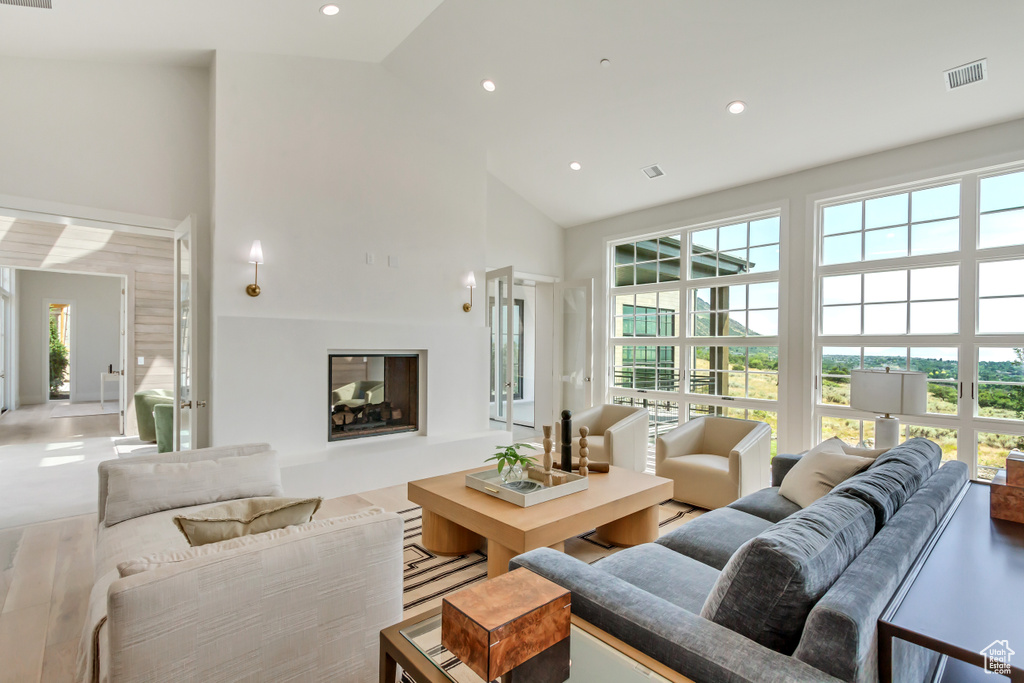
(894, 289)
(1002, 210)
(925, 221)
(663, 320)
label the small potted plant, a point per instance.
(511, 463)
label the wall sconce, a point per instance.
(256, 257)
(471, 283)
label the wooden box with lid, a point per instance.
(1007, 490)
(501, 623)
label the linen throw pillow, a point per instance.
(819, 471)
(244, 518)
(166, 558)
(848, 449)
(137, 489)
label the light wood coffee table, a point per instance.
(622, 505)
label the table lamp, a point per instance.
(889, 392)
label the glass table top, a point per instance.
(591, 659)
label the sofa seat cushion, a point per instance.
(675, 578)
(713, 537)
(767, 504)
(771, 584)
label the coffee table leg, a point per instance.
(639, 527)
(444, 537)
(498, 557)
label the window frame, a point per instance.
(968, 340)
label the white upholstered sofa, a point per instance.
(305, 602)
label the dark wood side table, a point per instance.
(600, 657)
(964, 593)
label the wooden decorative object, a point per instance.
(501, 623)
(1015, 468)
(584, 450)
(592, 467)
(566, 432)
(1007, 500)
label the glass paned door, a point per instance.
(184, 267)
(574, 325)
(3, 352)
(501, 321)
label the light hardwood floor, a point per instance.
(46, 573)
(33, 424)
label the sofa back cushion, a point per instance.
(894, 477)
(136, 489)
(841, 633)
(214, 453)
(770, 585)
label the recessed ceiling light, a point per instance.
(488, 85)
(330, 10)
(736, 107)
(575, 166)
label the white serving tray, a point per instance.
(489, 482)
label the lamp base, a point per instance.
(887, 432)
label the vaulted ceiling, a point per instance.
(823, 81)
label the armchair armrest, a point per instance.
(749, 460)
(626, 441)
(307, 605)
(686, 642)
(685, 439)
(782, 464)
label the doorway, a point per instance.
(57, 346)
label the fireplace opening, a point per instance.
(372, 394)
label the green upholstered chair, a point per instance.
(163, 418)
(145, 401)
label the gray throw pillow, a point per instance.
(773, 581)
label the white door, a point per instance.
(122, 354)
(3, 352)
(499, 319)
(184, 268)
(574, 344)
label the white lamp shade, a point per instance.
(256, 253)
(471, 280)
(896, 392)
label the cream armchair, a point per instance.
(715, 460)
(618, 435)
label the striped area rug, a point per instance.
(429, 577)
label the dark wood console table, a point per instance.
(965, 592)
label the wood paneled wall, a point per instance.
(147, 262)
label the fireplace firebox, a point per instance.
(372, 394)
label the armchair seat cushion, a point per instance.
(681, 580)
(713, 537)
(767, 504)
(701, 479)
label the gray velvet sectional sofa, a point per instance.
(763, 590)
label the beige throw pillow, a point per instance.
(245, 517)
(166, 558)
(823, 467)
(848, 449)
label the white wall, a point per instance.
(119, 137)
(325, 161)
(519, 235)
(586, 245)
(95, 327)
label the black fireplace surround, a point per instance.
(372, 394)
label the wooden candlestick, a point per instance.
(584, 451)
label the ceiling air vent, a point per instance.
(653, 171)
(966, 74)
(41, 4)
